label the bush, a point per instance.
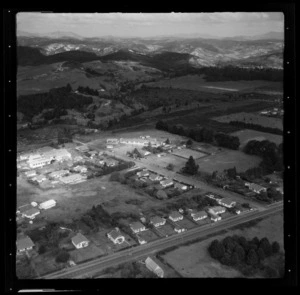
(62, 257)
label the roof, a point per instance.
(175, 214)
(199, 214)
(151, 263)
(31, 212)
(115, 234)
(179, 185)
(227, 201)
(157, 219)
(49, 202)
(137, 225)
(167, 181)
(255, 186)
(79, 238)
(24, 243)
(217, 208)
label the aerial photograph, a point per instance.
(149, 145)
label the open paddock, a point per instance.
(246, 135)
(186, 153)
(228, 159)
(252, 119)
(148, 235)
(186, 223)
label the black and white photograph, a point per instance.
(150, 145)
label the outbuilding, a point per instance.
(31, 213)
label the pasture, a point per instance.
(194, 261)
(247, 135)
(227, 159)
(195, 82)
(186, 153)
(252, 119)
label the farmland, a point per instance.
(253, 119)
(195, 82)
(194, 260)
(247, 134)
(186, 153)
(227, 159)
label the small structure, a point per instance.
(40, 178)
(137, 227)
(58, 174)
(180, 186)
(255, 187)
(199, 215)
(24, 244)
(175, 216)
(80, 241)
(143, 173)
(47, 204)
(166, 183)
(30, 173)
(179, 229)
(227, 202)
(116, 237)
(31, 213)
(81, 169)
(217, 210)
(157, 221)
(154, 267)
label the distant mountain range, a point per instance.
(264, 50)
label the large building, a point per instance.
(217, 210)
(255, 187)
(154, 267)
(47, 204)
(39, 162)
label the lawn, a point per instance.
(185, 223)
(247, 134)
(194, 261)
(186, 153)
(228, 159)
(148, 235)
(166, 230)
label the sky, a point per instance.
(222, 24)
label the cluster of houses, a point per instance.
(272, 112)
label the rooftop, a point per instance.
(175, 214)
(199, 214)
(137, 225)
(157, 219)
(79, 238)
(24, 243)
(115, 234)
(31, 211)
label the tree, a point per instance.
(239, 250)
(252, 258)
(191, 167)
(234, 258)
(216, 249)
(189, 143)
(275, 247)
(266, 246)
(42, 249)
(261, 254)
(63, 256)
(170, 167)
(167, 141)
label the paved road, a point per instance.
(138, 252)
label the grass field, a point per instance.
(252, 119)
(194, 260)
(185, 223)
(186, 153)
(195, 82)
(227, 159)
(247, 134)
(148, 235)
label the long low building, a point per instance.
(154, 267)
(39, 162)
(47, 204)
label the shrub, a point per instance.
(62, 256)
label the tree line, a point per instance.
(245, 255)
(202, 134)
(58, 99)
(87, 90)
(256, 127)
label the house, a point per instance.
(80, 241)
(58, 154)
(92, 153)
(31, 213)
(116, 237)
(179, 229)
(154, 177)
(111, 162)
(143, 173)
(24, 244)
(141, 241)
(137, 227)
(81, 169)
(157, 221)
(154, 267)
(255, 187)
(227, 202)
(109, 146)
(144, 153)
(58, 174)
(175, 216)
(199, 215)
(30, 173)
(112, 141)
(166, 183)
(74, 178)
(214, 217)
(47, 204)
(40, 178)
(39, 162)
(180, 186)
(217, 210)
(82, 148)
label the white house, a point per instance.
(227, 202)
(116, 237)
(24, 244)
(31, 213)
(80, 241)
(40, 162)
(30, 173)
(255, 187)
(166, 183)
(81, 169)
(154, 177)
(137, 227)
(179, 229)
(141, 241)
(157, 221)
(214, 217)
(40, 178)
(47, 204)
(154, 267)
(175, 216)
(217, 210)
(142, 173)
(199, 215)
